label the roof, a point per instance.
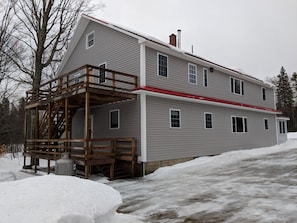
(152, 41)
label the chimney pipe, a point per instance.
(179, 38)
(172, 39)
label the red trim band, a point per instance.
(203, 98)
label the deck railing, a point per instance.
(83, 77)
(87, 152)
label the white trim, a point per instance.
(143, 128)
(158, 65)
(203, 76)
(87, 40)
(241, 86)
(196, 76)
(179, 115)
(173, 97)
(208, 113)
(114, 110)
(243, 124)
(142, 65)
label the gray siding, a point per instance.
(218, 82)
(129, 122)
(121, 52)
(192, 139)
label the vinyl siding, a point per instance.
(218, 82)
(129, 122)
(119, 51)
(192, 139)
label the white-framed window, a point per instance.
(263, 93)
(162, 65)
(175, 118)
(282, 127)
(102, 73)
(192, 73)
(208, 120)
(90, 40)
(77, 78)
(114, 119)
(266, 127)
(205, 77)
(236, 86)
(239, 124)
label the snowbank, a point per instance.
(59, 199)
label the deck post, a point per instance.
(49, 123)
(67, 123)
(87, 132)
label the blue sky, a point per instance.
(256, 36)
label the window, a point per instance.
(77, 78)
(90, 39)
(114, 119)
(282, 127)
(208, 120)
(263, 94)
(162, 65)
(175, 118)
(205, 77)
(237, 86)
(102, 73)
(192, 73)
(265, 123)
(239, 124)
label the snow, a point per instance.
(52, 198)
(256, 185)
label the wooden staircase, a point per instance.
(54, 116)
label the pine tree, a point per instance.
(285, 97)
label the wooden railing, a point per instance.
(83, 77)
(84, 152)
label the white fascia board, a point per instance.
(194, 100)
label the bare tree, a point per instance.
(43, 33)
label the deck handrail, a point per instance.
(117, 81)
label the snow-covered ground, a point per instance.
(257, 185)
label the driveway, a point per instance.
(228, 188)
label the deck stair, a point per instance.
(51, 108)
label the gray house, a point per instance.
(185, 106)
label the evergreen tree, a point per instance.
(285, 97)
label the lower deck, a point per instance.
(92, 153)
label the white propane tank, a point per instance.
(64, 166)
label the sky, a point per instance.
(254, 36)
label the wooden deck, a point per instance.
(49, 113)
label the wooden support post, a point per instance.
(25, 135)
(87, 133)
(67, 123)
(49, 127)
(113, 81)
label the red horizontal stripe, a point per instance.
(203, 98)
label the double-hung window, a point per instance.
(266, 124)
(282, 127)
(263, 94)
(205, 77)
(90, 39)
(239, 124)
(208, 120)
(236, 86)
(114, 119)
(175, 118)
(162, 65)
(192, 73)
